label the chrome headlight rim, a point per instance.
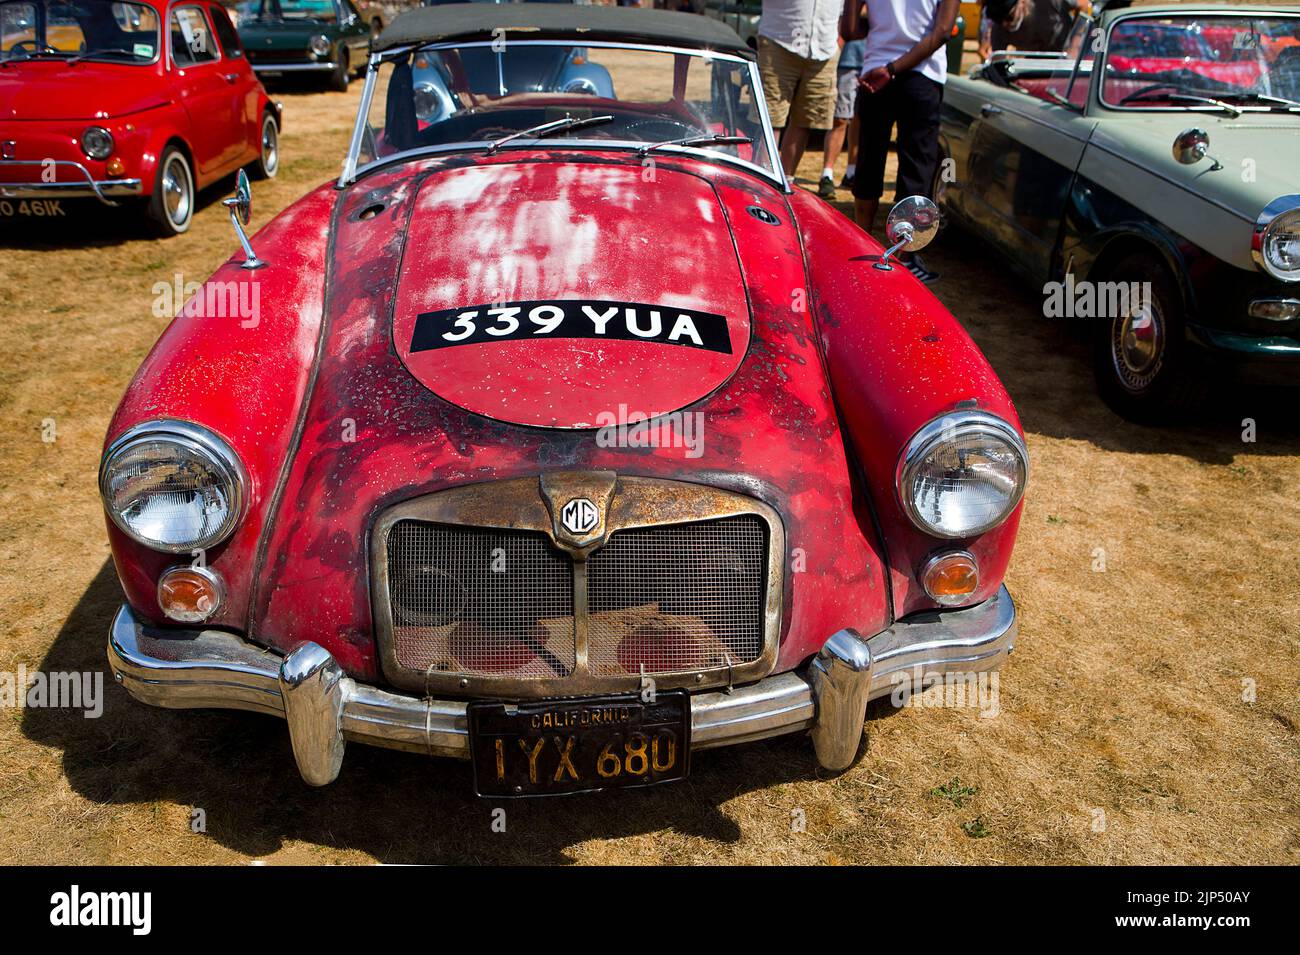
(104, 150)
(1274, 213)
(937, 429)
(195, 438)
(320, 45)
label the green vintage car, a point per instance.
(327, 38)
(1148, 176)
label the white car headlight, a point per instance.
(320, 45)
(173, 486)
(1276, 243)
(962, 474)
(97, 142)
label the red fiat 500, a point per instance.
(560, 434)
(138, 102)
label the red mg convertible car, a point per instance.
(568, 439)
(98, 101)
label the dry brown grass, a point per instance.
(1125, 694)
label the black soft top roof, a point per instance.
(551, 21)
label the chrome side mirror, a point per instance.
(241, 211)
(1191, 145)
(912, 225)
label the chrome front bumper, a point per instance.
(325, 708)
(101, 189)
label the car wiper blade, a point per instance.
(546, 129)
(714, 140)
(110, 51)
(1178, 94)
(1251, 96)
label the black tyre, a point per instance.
(171, 206)
(1144, 368)
(267, 162)
(342, 75)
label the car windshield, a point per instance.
(80, 29)
(1203, 61)
(472, 95)
(288, 10)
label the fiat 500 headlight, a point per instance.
(173, 486)
(1276, 245)
(97, 142)
(962, 474)
(320, 45)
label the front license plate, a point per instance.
(571, 746)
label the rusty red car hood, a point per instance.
(56, 90)
(551, 294)
(385, 423)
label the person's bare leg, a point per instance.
(835, 142)
(793, 144)
(864, 211)
(853, 141)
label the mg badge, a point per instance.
(7, 149)
(579, 516)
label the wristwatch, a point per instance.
(889, 68)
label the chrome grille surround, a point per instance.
(729, 623)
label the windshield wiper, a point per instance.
(714, 140)
(112, 51)
(546, 129)
(1175, 94)
(1251, 96)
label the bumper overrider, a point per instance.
(324, 708)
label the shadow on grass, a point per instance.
(398, 807)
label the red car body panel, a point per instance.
(213, 109)
(842, 364)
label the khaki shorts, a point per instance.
(799, 92)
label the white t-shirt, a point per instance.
(894, 27)
(807, 28)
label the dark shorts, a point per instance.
(911, 101)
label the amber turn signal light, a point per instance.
(951, 577)
(190, 594)
(116, 167)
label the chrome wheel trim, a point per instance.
(1137, 347)
(270, 146)
(178, 190)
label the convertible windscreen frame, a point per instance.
(352, 171)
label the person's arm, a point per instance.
(986, 36)
(924, 48)
(853, 25)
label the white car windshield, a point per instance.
(473, 95)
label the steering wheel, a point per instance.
(672, 129)
(36, 45)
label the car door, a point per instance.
(1025, 151)
(216, 136)
(246, 88)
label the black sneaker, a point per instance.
(826, 188)
(846, 182)
(917, 268)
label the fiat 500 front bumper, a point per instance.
(324, 708)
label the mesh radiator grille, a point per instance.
(500, 603)
(478, 600)
(678, 597)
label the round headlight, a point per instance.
(320, 45)
(962, 474)
(1276, 246)
(172, 486)
(97, 142)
